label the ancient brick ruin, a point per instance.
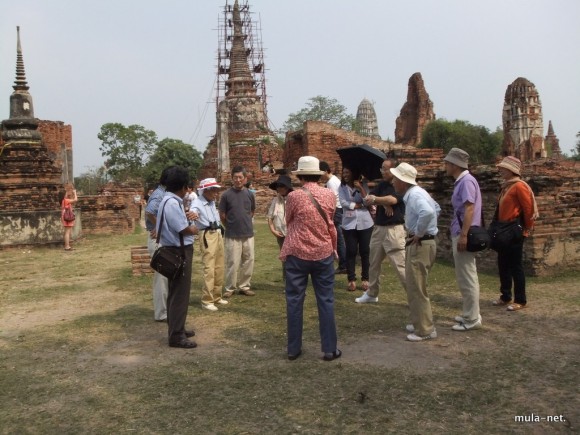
(416, 113)
(552, 143)
(523, 125)
(242, 133)
(30, 179)
(366, 119)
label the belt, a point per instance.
(425, 237)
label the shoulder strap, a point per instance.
(316, 204)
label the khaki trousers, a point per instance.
(418, 262)
(212, 258)
(467, 281)
(386, 241)
(160, 287)
(239, 263)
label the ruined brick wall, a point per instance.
(249, 149)
(57, 137)
(114, 211)
(555, 242)
(321, 139)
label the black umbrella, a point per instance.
(363, 159)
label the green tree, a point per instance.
(127, 149)
(576, 150)
(172, 152)
(481, 144)
(91, 181)
(321, 108)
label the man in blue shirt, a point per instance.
(159, 281)
(466, 201)
(421, 213)
(172, 224)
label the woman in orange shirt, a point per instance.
(516, 201)
(66, 201)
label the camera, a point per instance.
(214, 225)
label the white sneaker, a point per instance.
(366, 299)
(410, 328)
(467, 326)
(210, 307)
(223, 302)
(414, 337)
(459, 319)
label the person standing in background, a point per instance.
(333, 183)
(277, 212)
(237, 206)
(66, 200)
(159, 281)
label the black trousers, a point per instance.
(511, 270)
(178, 299)
(358, 241)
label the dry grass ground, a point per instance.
(80, 353)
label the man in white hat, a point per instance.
(211, 243)
(421, 213)
(466, 202)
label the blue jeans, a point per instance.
(340, 244)
(322, 273)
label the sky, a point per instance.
(153, 63)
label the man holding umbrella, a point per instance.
(388, 237)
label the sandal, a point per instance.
(499, 302)
(515, 307)
(365, 285)
(351, 286)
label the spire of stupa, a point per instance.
(240, 81)
(20, 83)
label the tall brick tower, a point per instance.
(29, 178)
(523, 127)
(242, 135)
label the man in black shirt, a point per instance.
(388, 238)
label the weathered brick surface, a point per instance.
(140, 261)
(113, 211)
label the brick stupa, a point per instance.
(29, 177)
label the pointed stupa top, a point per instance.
(20, 83)
(21, 124)
(550, 129)
(240, 81)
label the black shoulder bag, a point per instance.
(477, 237)
(505, 234)
(166, 259)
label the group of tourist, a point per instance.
(397, 219)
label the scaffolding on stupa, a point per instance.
(252, 34)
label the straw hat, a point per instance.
(308, 165)
(406, 173)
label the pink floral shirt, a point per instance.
(309, 237)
